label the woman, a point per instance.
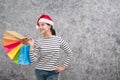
(45, 53)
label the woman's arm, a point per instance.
(64, 45)
(34, 52)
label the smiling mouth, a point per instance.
(41, 30)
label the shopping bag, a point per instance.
(24, 57)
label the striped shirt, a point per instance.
(47, 53)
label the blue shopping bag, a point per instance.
(24, 57)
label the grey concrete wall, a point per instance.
(91, 27)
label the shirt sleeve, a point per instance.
(64, 45)
(34, 54)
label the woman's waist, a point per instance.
(45, 66)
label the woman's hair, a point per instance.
(51, 29)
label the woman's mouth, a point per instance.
(41, 30)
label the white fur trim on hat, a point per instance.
(46, 21)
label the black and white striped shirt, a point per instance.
(47, 53)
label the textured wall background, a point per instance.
(92, 28)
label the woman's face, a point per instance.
(43, 27)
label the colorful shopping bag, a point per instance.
(24, 55)
(16, 47)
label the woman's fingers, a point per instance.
(25, 41)
(31, 39)
(59, 68)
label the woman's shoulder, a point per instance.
(60, 38)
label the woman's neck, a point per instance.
(47, 35)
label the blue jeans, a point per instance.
(46, 75)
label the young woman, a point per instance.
(45, 53)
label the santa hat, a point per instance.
(44, 18)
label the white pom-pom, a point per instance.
(37, 27)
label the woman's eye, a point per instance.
(42, 25)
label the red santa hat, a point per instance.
(45, 18)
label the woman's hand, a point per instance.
(24, 41)
(31, 42)
(59, 68)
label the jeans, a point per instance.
(46, 75)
